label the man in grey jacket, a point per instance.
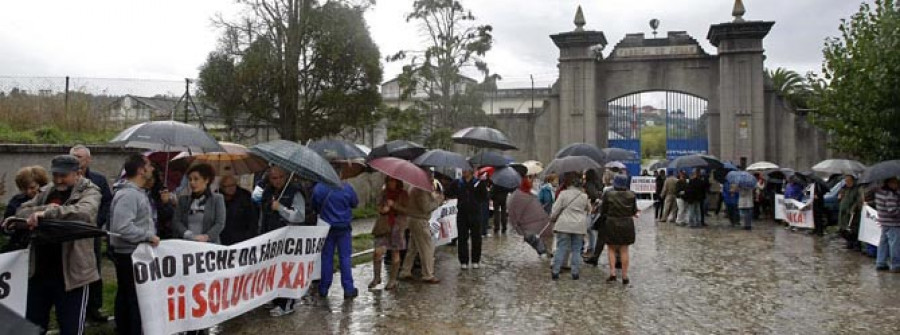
(131, 217)
(61, 272)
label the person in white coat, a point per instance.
(570, 211)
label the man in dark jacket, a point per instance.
(658, 204)
(282, 204)
(694, 194)
(240, 212)
(471, 194)
(95, 300)
(498, 197)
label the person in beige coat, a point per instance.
(417, 208)
(669, 194)
(570, 212)
(61, 272)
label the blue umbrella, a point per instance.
(298, 159)
(506, 178)
(742, 179)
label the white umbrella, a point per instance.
(762, 166)
(842, 166)
(534, 167)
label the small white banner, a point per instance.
(869, 230)
(14, 280)
(185, 285)
(779, 208)
(799, 214)
(643, 185)
(443, 223)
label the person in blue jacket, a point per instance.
(730, 196)
(335, 206)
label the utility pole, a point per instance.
(532, 92)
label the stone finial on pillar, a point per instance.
(738, 11)
(579, 20)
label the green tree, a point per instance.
(454, 43)
(306, 67)
(791, 86)
(857, 99)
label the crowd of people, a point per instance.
(571, 218)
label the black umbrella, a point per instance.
(337, 149)
(619, 154)
(571, 164)
(881, 171)
(483, 137)
(696, 161)
(443, 159)
(58, 231)
(583, 149)
(399, 148)
(810, 177)
(298, 159)
(661, 164)
(506, 178)
(15, 324)
(167, 136)
(488, 158)
(520, 168)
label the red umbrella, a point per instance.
(404, 171)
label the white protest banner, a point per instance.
(798, 214)
(443, 223)
(185, 285)
(869, 230)
(643, 185)
(14, 280)
(779, 208)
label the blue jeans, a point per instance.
(694, 214)
(568, 243)
(342, 239)
(889, 247)
(747, 216)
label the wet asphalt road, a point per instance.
(688, 281)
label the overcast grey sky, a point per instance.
(169, 39)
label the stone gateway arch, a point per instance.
(744, 118)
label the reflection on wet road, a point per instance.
(713, 280)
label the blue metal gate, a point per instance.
(686, 121)
(685, 118)
(625, 128)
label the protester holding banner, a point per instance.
(887, 203)
(417, 207)
(849, 211)
(335, 207)
(131, 217)
(569, 214)
(95, 301)
(200, 216)
(619, 207)
(29, 181)
(282, 204)
(240, 213)
(61, 272)
(471, 194)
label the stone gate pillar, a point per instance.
(741, 94)
(578, 112)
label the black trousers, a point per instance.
(45, 293)
(500, 216)
(469, 226)
(95, 296)
(127, 311)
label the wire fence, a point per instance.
(80, 103)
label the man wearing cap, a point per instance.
(61, 272)
(95, 300)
